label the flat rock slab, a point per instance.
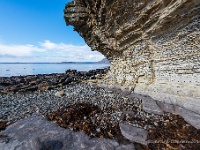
(157, 107)
(134, 134)
(191, 117)
(36, 133)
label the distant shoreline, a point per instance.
(103, 61)
(53, 63)
(26, 68)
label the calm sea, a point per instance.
(7, 70)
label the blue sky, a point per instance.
(35, 31)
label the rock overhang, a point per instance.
(153, 46)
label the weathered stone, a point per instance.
(60, 94)
(134, 134)
(36, 133)
(153, 46)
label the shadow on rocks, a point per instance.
(52, 145)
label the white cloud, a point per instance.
(18, 50)
(48, 51)
(64, 47)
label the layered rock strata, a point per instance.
(153, 46)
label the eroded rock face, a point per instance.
(153, 46)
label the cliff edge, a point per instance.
(153, 46)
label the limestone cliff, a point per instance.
(153, 45)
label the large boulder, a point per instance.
(36, 133)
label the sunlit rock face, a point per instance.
(153, 45)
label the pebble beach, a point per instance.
(16, 106)
(82, 105)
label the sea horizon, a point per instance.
(52, 63)
(9, 69)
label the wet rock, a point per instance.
(62, 79)
(68, 80)
(100, 71)
(134, 134)
(37, 133)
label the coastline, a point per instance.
(26, 69)
(52, 96)
(42, 82)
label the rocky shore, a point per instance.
(74, 101)
(42, 82)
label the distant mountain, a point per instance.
(104, 61)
